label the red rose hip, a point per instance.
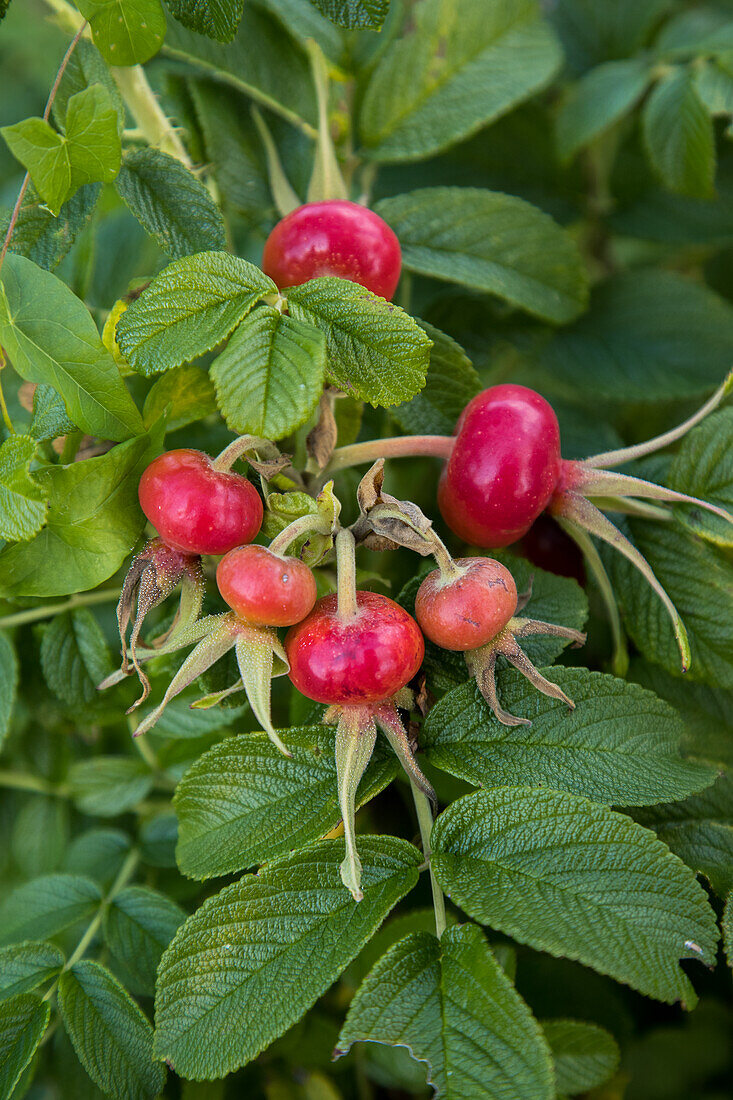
(196, 508)
(265, 589)
(468, 610)
(365, 658)
(503, 468)
(334, 238)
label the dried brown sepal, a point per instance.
(322, 439)
(386, 523)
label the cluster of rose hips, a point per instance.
(357, 651)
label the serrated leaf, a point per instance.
(98, 853)
(185, 394)
(217, 19)
(244, 803)
(714, 86)
(126, 32)
(599, 99)
(621, 744)
(270, 376)
(170, 203)
(727, 927)
(105, 786)
(449, 1002)
(45, 906)
(564, 875)
(74, 656)
(49, 336)
(43, 238)
(458, 65)
(94, 521)
(450, 384)
(49, 415)
(697, 577)
(110, 1034)
(679, 137)
(23, 1021)
(491, 242)
(352, 14)
(703, 468)
(212, 1022)
(85, 67)
(648, 335)
(138, 926)
(188, 309)
(374, 349)
(8, 683)
(585, 1055)
(22, 501)
(25, 966)
(700, 831)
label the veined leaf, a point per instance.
(188, 309)
(703, 467)
(491, 242)
(374, 349)
(40, 835)
(45, 906)
(576, 879)
(621, 745)
(185, 394)
(49, 336)
(8, 683)
(244, 803)
(355, 13)
(458, 65)
(110, 1034)
(678, 133)
(599, 99)
(270, 376)
(84, 68)
(450, 384)
(98, 853)
(50, 420)
(170, 203)
(74, 656)
(138, 926)
(43, 238)
(22, 501)
(126, 32)
(24, 966)
(727, 926)
(585, 1055)
(217, 19)
(449, 1002)
(293, 927)
(105, 786)
(23, 1020)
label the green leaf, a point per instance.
(567, 876)
(703, 468)
(185, 394)
(458, 65)
(40, 835)
(49, 415)
(450, 384)
(22, 502)
(648, 335)
(585, 1055)
(244, 803)
(374, 349)
(105, 786)
(714, 86)
(270, 376)
(84, 68)
(700, 831)
(44, 154)
(8, 683)
(98, 853)
(170, 203)
(449, 1002)
(697, 577)
(49, 337)
(217, 19)
(211, 1020)
(110, 1034)
(599, 99)
(491, 242)
(43, 238)
(679, 137)
(23, 1020)
(94, 521)
(126, 32)
(24, 966)
(45, 906)
(188, 309)
(369, 14)
(138, 926)
(727, 927)
(74, 656)
(620, 745)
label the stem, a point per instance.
(402, 446)
(449, 569)
(239, 447)
(151, 120)
(303, 525)
(84, 599)
(346, 573)
(3, 407)
(23, 781)
(425, 821)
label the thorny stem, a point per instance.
(346, 572)
(84, 599)
(401, 446)
(425, 821)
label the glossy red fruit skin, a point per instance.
(197, 509)
(503, 468)
(265, 589)
(334, 238)
(469, 611)
(366, 659)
